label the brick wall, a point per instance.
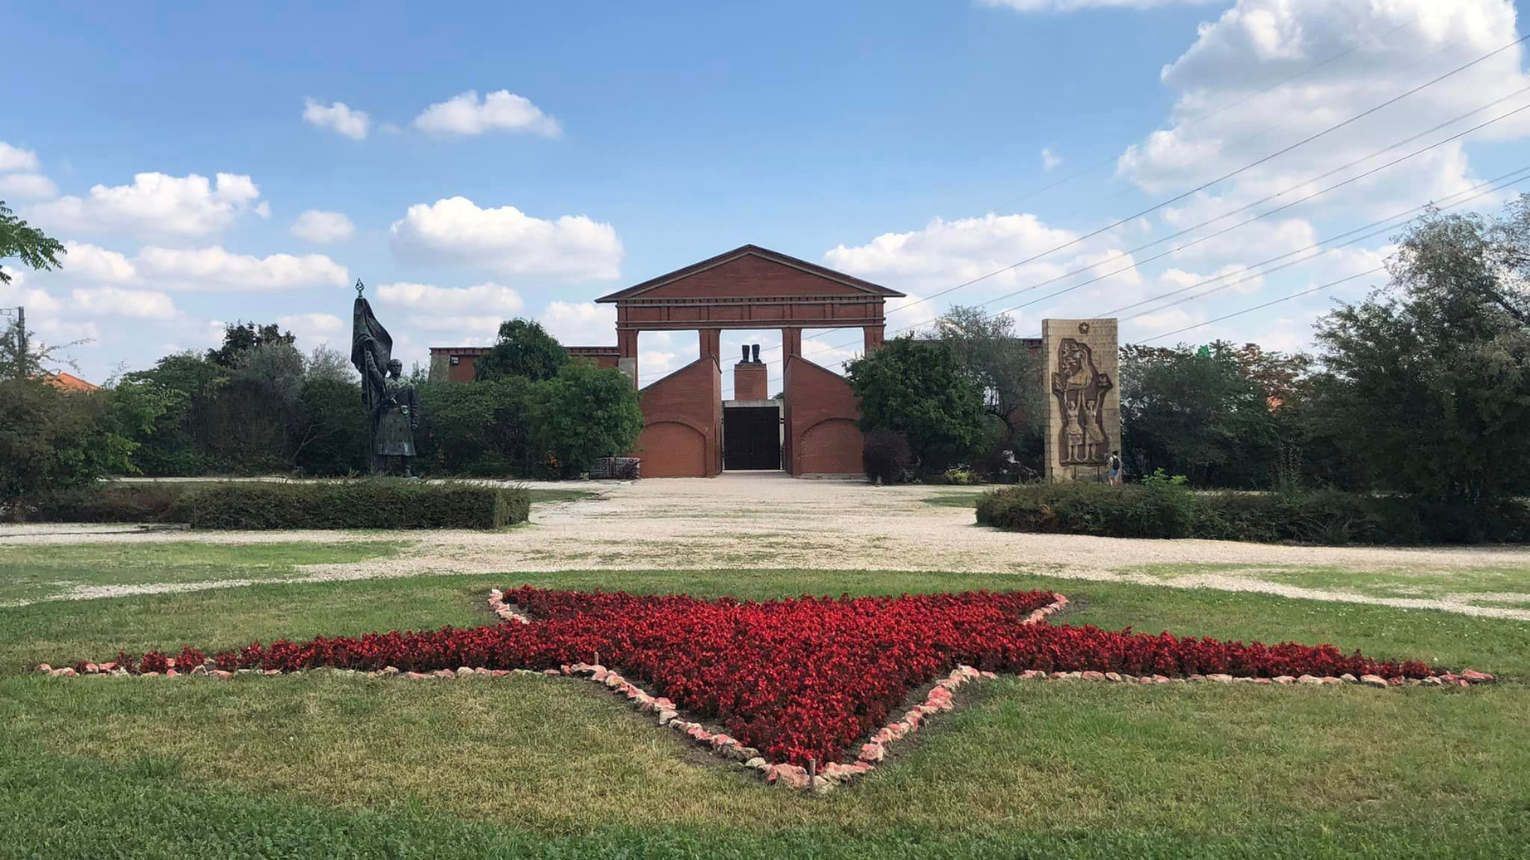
(821, 414)
(750, 381)
(682, 423)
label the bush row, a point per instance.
(363, 504)
(1159, 509)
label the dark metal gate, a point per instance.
(751, 437)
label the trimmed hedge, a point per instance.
(365, 504)
(123, 503)
(1323, 517)
(376, 503)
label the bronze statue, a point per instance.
(392, 406)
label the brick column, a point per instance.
(791, 343)
(750, 380)
(627, 354)
(711, 343)
(874, 334)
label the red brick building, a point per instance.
(689, 431)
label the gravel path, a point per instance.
(769, 521)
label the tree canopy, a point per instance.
(26, 243)
(919, 389)
(1433, 371)
(524, 349)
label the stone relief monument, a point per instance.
(392, 407)
(1084, 409)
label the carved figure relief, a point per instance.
(1080, 389)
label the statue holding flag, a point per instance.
(392, 407)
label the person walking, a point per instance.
(1115, 469)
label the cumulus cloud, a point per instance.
(118, 302)
(1049, 159)
(466, 114)
(83, 262)
(322, 227)
(26, 186)
(16, 158)
(506, 241)
(1221, 121)
(215, 270)
(580, 323)
(210, 269)
(947, 253)
(488, 298)
(312, 330)
(337, 117)
(155, 204)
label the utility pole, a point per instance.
(21, 342)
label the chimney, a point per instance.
(750, 379)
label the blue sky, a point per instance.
(898, 141)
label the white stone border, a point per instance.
(831, 774)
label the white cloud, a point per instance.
(464, 114)
(1049, 159)
(581, 323)
(15, 158)
(216, 270)
(26, 185)
(118, 302)
(210, 269)
(311, 330)
(1222, 122)
(484, 298)
(155, 205)
(947, 253)
(86, 263)
(455, 231)
(1073, 5)
(316, 225)
(338, 117)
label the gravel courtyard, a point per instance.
(769, 521)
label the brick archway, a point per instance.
(749, 288)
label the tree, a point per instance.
(181, 440)
(524, 349)
(999, 362)
(581, 415)
(919, 388)
(241, 337)
(1434, 369)
(26, 243)
(1195, 412)
(52, 439)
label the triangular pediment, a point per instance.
(751, 271)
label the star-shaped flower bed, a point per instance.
(811, 682)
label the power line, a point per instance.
(1258, 270)
(1230, 105)
(1496, 184)
(1224, 177)
(1308, 292)
(1284, 207)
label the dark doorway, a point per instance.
(751, 437)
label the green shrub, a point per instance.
(1161, 508)
(120, 503)
(961, 475)
(380, 503)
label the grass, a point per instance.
(43, 572)
(538, 495)
(1487, 586)
(322, 765)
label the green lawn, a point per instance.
(322, 765)
(41, 572)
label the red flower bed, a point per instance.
(797, 679)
